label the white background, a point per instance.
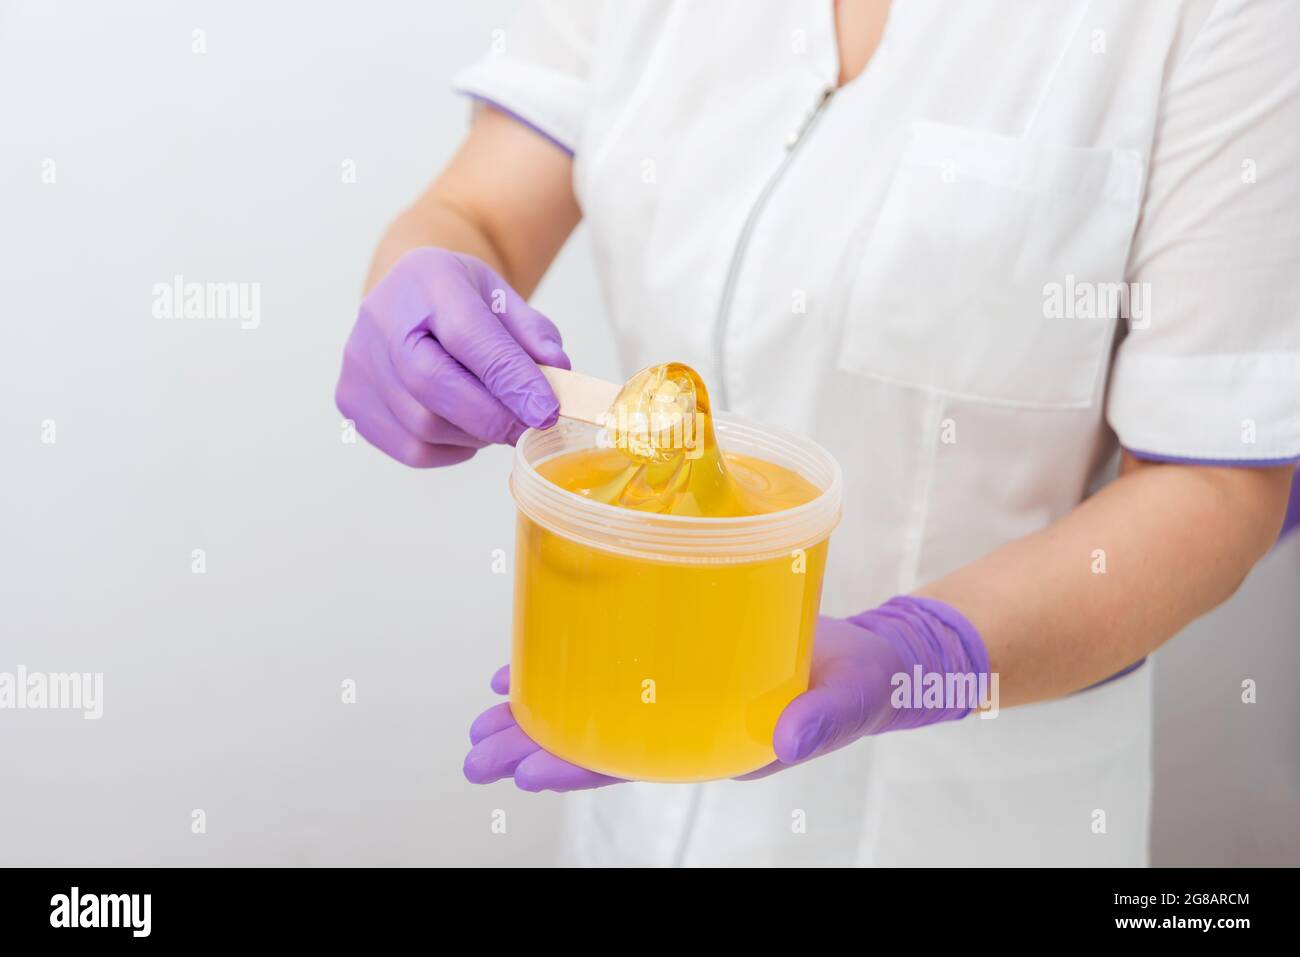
(325, 561)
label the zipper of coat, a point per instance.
(796, 139)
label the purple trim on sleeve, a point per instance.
(1243, 463)
(1119, 674)
(488, 101)
(1292, 520)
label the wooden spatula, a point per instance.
(582, 397)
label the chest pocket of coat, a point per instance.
(973, 280)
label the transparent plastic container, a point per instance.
(661, 647)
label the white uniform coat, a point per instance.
(920, 270)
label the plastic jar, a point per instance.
(662, 647)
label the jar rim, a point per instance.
(687, 538)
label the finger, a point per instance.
(434, 429)
(764, 771)
(494, 719)
(814, 723)
(843, 697)
(421, 422)
(471, 333)
(376, 424)
(539, 336)
(542, 771)
(501, 680)
(497, 756)
(446, 388)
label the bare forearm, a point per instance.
(506, 197)
(432, 225)
(1110, 582)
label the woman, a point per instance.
(902, 232)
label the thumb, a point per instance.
(850, 698)
(812, 724)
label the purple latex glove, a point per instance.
(851, 691)
(849, 696)
(500, 749)
(443, 361)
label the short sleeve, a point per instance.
(1210, 371)
(537, 68)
